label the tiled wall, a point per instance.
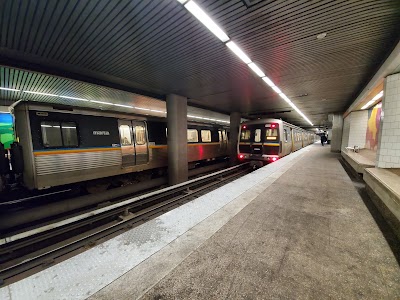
(355, 129)
(358, 128)
(389, 139)
(346, 132)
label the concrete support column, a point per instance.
(388, 154)
(177, 139)
(337, 129)
(233, 137)
(355, 129)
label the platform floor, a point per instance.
(308, 235)
(295, 229)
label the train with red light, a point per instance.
(267, 140)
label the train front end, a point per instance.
(259, 142)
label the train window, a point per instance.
(271, 133)
(257, 136)
(206, 136)
(192, 136)
(140, 135)
(245, 135)
(220, 135)
(224, 136)
(69, 134)
(285, 133)
(51, 134)
(126, 136)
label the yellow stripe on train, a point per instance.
(63, 151)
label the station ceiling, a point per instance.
(155, 48)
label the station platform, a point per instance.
(295, 229)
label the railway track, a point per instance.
(29, 251)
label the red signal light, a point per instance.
(274, 159)
(241, 156)
(273, 125)
(244, 126)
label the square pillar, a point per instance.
(337, 128)
(388, 154)
(235, 118)
(177, 139)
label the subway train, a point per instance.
(267, 140)
(62, 145)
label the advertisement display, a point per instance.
(374, 120)
(6, 129)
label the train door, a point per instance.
(134, 145)
(223, 141)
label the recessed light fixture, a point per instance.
(43, 94)
(8, 89)
(235, 49)
(369, 103)
(206, 20)
(101, 102)
(256, 69)
(321, 35)
(277, 90)
(268, 81)
(123, 105)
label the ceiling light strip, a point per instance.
(42, 94)
(73, 98)
(206, 20)
(8, 89)
(192, 7)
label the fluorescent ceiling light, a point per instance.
(268, 81)
(142, 108)
(8, 89)
(101, 102)
(123, 105)
(44, 94)
(155, 110)
(206, 20)
(182, 1)
(284, 97)
(73, 98)
(235, 49)
(276, 89)
(256, 69)
(369, 103)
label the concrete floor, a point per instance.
(308, 235)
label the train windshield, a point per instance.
(271, 134)
(259, 133)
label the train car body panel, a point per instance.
(69, 146)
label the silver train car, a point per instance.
(266, 140)
(66, 145)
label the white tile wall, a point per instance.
(388, 155)
(355, 129)
(358, 128)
